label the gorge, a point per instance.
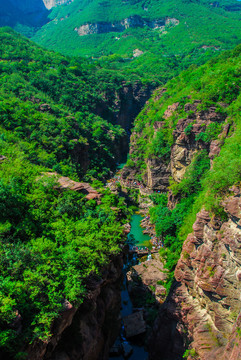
(145, 131)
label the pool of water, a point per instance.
(140, 239)
(120, 166)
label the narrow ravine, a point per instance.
(133, 349)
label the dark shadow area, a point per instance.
(31, 14)
(165, 341)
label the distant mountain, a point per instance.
(155, 39)
(147, 36)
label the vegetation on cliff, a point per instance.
(51, 239)
(197, 110)
(52, 102)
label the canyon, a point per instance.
(69, 122)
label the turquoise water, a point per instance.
(120, 166)
(140, 239)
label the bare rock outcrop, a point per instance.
(65, 183)
(186, 133)
(49, 4)
(120, 26)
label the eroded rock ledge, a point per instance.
(120, 26)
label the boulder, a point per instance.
(134, 324)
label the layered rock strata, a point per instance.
(65, 183)
(205, 303)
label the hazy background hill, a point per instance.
(155, 39)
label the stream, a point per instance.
(140, 239)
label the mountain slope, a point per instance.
(68, 94)
(54, 230)
(153, 36)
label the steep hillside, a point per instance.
(56, 231)
(76, 107)
(186, 148)
(154, 38)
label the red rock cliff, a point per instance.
(204, 305)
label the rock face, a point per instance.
(65, 183)
(119, 26)
(126, 105)
(52, 3)
(205, 303)
(87, 332)
(187, 143)
(185, 135)
(143, 282)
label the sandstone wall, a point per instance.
(204, 305)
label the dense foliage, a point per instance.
(215, 84)
(50, 240)
(194, 32)
(51, 102)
